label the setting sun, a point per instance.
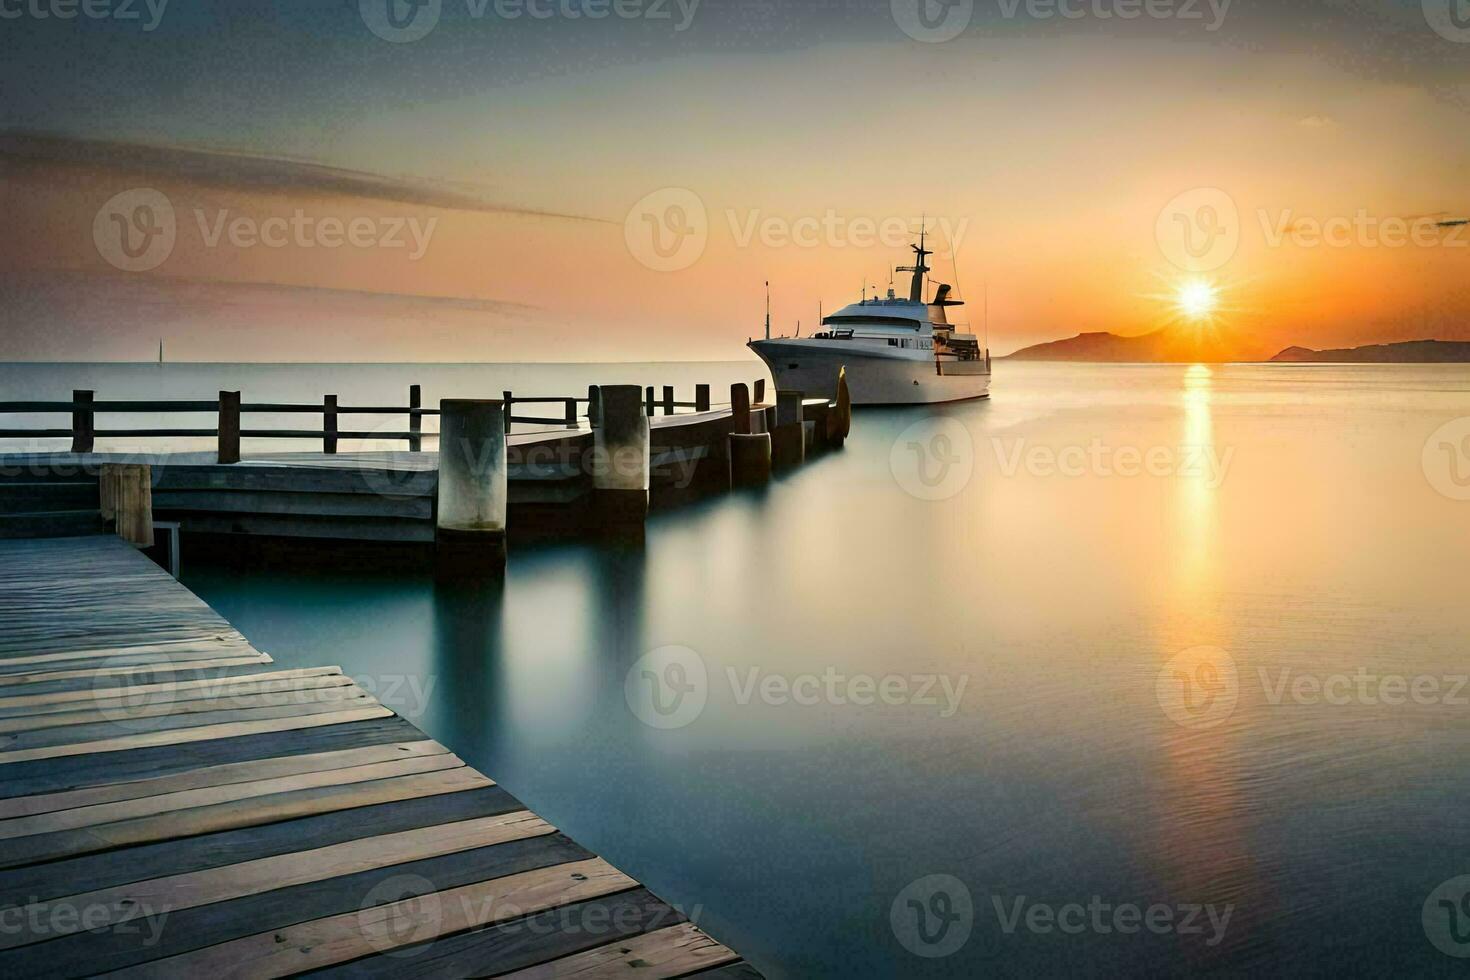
(1197, 300)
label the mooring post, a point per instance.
(788, 440)
(571, 419)
(469, 531)
(760, 391)
(620, 466)
(415, 420)
(668, 399)
(126, 491)
(329, 424)
(229, 427)
(749, 453)
(701, 398)
(83, 421)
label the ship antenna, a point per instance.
(768, 309)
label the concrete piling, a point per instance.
(470, 512)
(788, 441)
(620, 466)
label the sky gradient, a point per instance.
(797, 142)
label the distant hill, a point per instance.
(1161, 346)
(1408, 352)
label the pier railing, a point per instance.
(231, 411)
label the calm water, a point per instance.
(1048, 564)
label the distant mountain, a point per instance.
(1161, 346)
(1408, 352)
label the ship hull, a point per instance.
(875, 376)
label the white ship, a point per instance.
(896, 351)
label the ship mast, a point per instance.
(916, 288)
(768, 309)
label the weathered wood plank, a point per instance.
(228, 816)
(180, 892)
(144, 762)
(220, 922)
(164, 719)
(671, 952)
(207, 776)
(518, 943)
(27, 703)
(312, 945)
(101, 813)
(193, 734)
(139, 863)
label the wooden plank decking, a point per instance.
(172, 803)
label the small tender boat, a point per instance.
(896, 351)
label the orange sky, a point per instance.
(1050, 158)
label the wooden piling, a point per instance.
(329, 424)
(229, 427)
(571, 417)
(788, 441)
(620, 463)
(760, 391)
(648, 401)
(749, 453)
(701, 398)
(415, 420)
(126, 494)
(83, 421)
(470, 508)
(510, 411)
(594, 406)
(668, 399)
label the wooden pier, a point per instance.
(555, 482)
(172, 803)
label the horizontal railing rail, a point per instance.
(229, 409)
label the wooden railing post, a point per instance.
(648, 401)
(229, 427)
(593, 399)
(571, 413)
(83, 421)
(739, 409)
(329, 424)
(510, 410)
(668, 399)
(415, 420)
(701, 398)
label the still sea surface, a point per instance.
(1005, 688)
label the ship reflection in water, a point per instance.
(873, 708)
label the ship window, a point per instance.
(893, 342)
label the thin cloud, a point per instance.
(229, 169)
